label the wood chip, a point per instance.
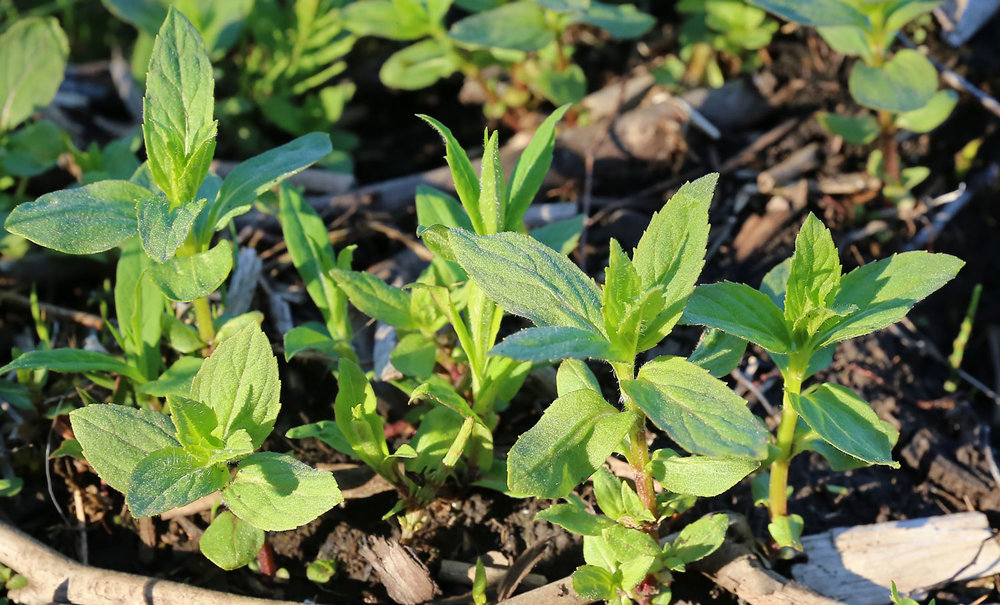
(405, 578)
(857, 564)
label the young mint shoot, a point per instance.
(172, 203)
(804, 307)
(640, 302)
(209, 443)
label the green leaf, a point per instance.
(169, 478)
(718, 352)
(419, 65)
(195, 422)
(530, 279)
(239, 381)
(903, 83)
(884, 291)
(901, 12)
(69, 447)
(176, 380)
(562, 87)
(699, 539)
(262, 172)
(276, 492)
(32, 150)
(562, 236)
(814, 274)
(392, 19)
(786, 531)
(321, 571)
(831, 12)
(592, 582)
(739, 310)
(163, 230)
(146, 15)
(622, 21)
(515, 26)
(435, 207)
(116, 438)
(33, 55)
(567, 445)
(357, 417)
(414, 355)
(671, 253)
(177, 111)
(575, 518)
(847, 40)
(775, 282)
(140, 307)
(309, 245)
(462, 172)
(856, 130)
(71, 360)
(931, 115)
(326, 431)
(699, 412)
(8, 489)
(185, 278)
(846, 421)
(574, 375)
(375, 298)
(230, 542)
(530, 169)
(702, 476)
(608, 493)
(627, 543)
(492, 195)
(311, 336)
(553, 344)
(86, 220)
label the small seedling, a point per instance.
(718, 38)
(803, 308)
(901, 87)
(209, 443)
(639, 304)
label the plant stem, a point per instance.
(203, 317)
(778, 487)
(638, 454)
(890, 151)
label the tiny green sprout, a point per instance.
(172, 205)
(901, 86)
(804, 307)
(207, 444)
(898, 600)
(640, 302)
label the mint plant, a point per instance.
(901, 87)
(718, 38)
(209, 443)
(33, 54)
(525, 38)
(804, 307)
(172, 203)
(640, 302)
(452, 368)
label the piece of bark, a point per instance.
(243, 284)
(405, 578)
(519, 570)
(55, 578)
(760, 229)
(559, 592)
(857, 564)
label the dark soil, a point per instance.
(944, 437)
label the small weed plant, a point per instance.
(901, 87)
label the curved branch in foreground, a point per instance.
(55, 578)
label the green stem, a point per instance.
(778, 487)
(638, 454)
(203, 317)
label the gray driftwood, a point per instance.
(857, 564)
